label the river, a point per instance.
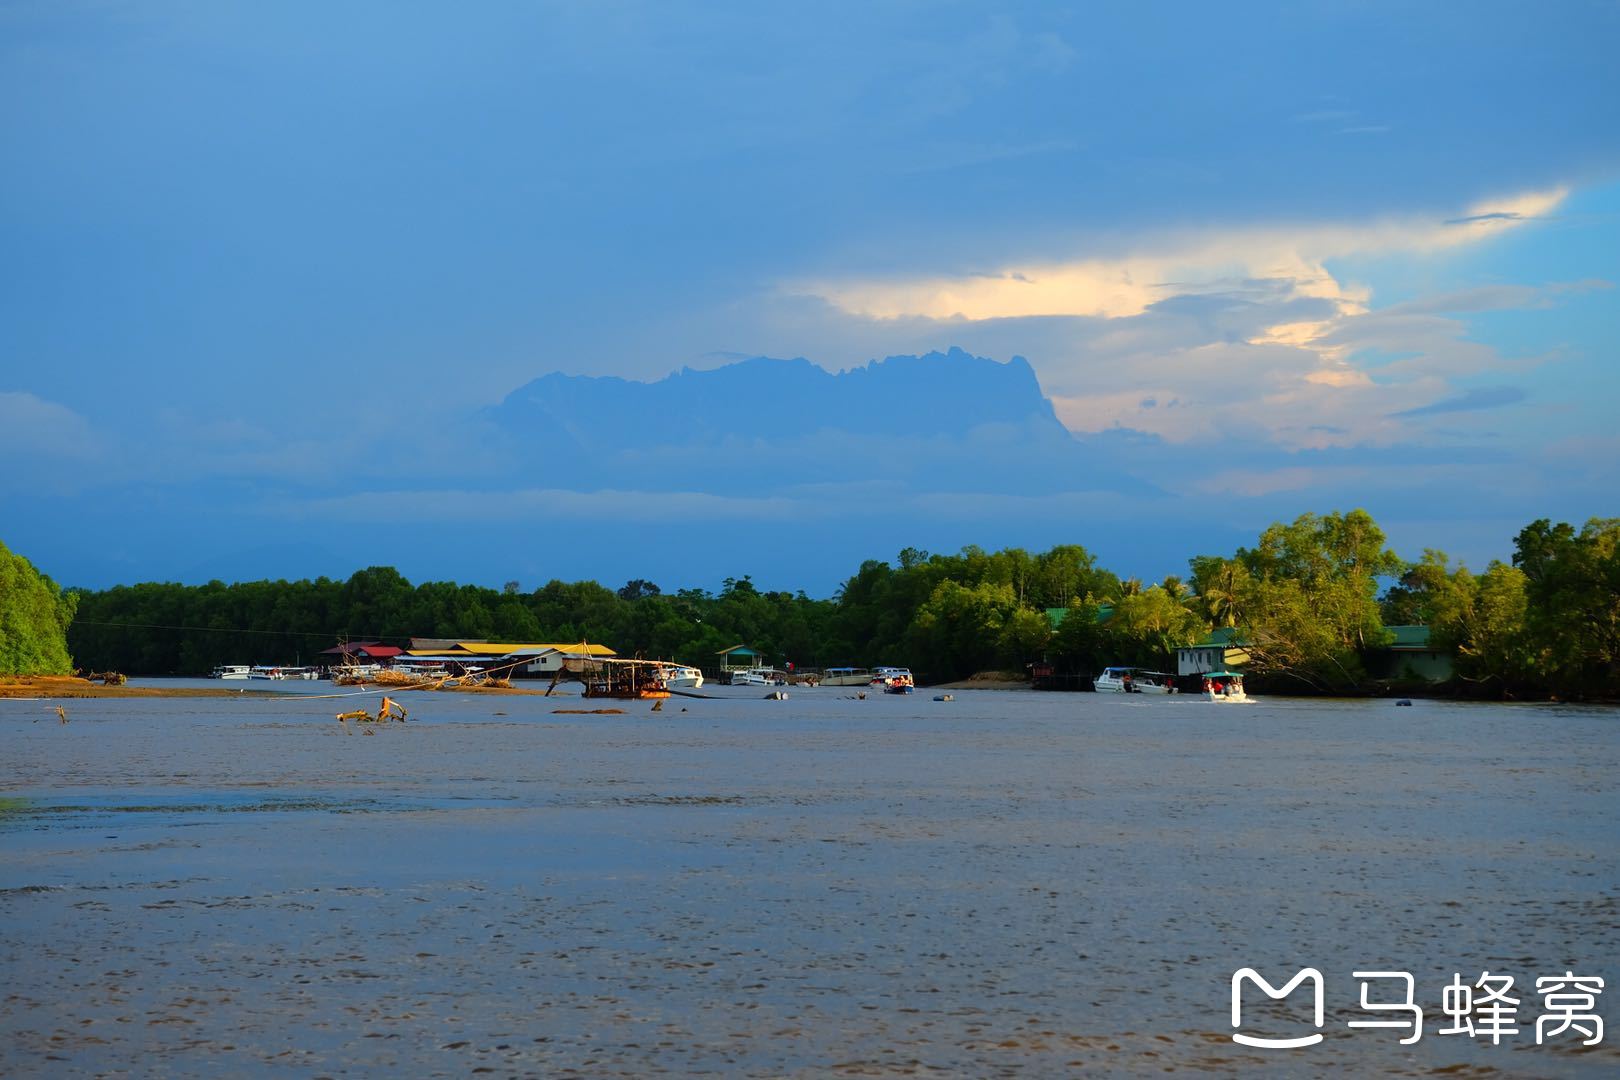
(1006, 883)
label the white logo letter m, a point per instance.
(1276, 995)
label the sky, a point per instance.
(261, 264)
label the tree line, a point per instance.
(1310, 601)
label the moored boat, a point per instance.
(681, 677)
(758, 677)
(1130, 680)
(232, 671)
(609, 677)
(846, 676)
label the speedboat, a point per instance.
(893, 680)
(751, 677)
(1224, 686)
(232, 671)
(1130, 680)
(680, 677)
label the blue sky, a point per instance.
(1276, 257)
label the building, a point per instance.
(740, 658)
(1410, 656)
(362, 652)
(1222, 650)
(534, 660)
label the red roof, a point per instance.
(376, 650)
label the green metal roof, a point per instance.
(1409, 637)
(1222, 637)
(1056, 615)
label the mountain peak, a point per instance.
(936, 395)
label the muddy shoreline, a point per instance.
(43, 687)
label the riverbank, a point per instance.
(69, 686)
(987, 680)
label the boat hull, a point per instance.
(1114, 686)
(861, 679)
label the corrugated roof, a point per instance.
(485, 648)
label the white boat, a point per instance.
(888, 678)
(759, 676)
(1130, 680)
(279, 673)
(1224, 686)
(846, 676)
(232, 671)
(680, 677)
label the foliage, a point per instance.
(34, 618)
(1572, 596)
(1305, 600)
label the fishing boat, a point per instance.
(232, 671)
(679, 676)
(1224, 686)
(610, 677)
(1130, 680)
(847, 676)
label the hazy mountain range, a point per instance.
(943, 421)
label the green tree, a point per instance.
(1148, 626)
(1572, 592)
(1310, 608)
(34, 618)
(1080, 643)
(959, 630)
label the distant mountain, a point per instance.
(941, 394)
(944, 421)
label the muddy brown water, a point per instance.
(1010, 883)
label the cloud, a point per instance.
(1483, 397)
(31, 425)
(48, 446)
(1122, 284)
(1249, 331)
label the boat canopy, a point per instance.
(1224, 675)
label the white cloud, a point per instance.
(1244, 331)
(1120, 284)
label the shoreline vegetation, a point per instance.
(1308, 606)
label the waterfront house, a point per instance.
(362, 652)
(1409, 656)
(507, 659)
(740, 658)
(1222, 650)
